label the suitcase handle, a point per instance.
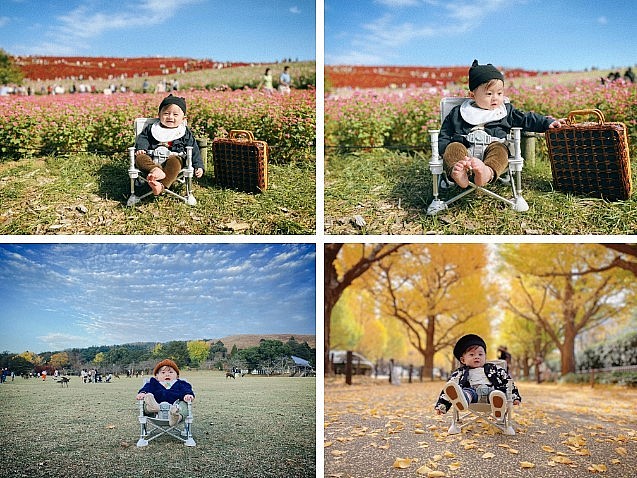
(241, 134)
(596, 112)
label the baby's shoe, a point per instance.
(150, 404)
(456, 396)
(174, 417)
(498, 404)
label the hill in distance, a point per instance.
(244, 341)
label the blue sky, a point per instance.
(57, 296)
(247, 31)
(532, 34)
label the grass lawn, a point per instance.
(86, 194)
(248, 427)
(391, 192)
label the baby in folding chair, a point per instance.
(171, 132)
(166, 386)
(476, 381)
(483, 121)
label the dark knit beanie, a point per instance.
(166, 363)
(479, 74)
(173, 100)
(467, 341)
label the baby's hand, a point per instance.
(558, 123)
(516, 402)
(141, 151)
(188, 398)
(140, 396)
(198, 172)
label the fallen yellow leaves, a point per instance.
(601, 468)
(429, 473)
(403, 463)
(488, 455)
(621, 450)
(527, 464)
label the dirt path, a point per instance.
(378, 430)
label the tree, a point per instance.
(198, 351)
(566, 290)
(438, 292)
(59, 360)
(176, 350)
(356, 259)
(9, 72)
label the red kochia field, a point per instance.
(59, 67)
(402, 76)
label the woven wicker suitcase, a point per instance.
(590, 158)
(241, 162)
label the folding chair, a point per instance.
(482, 411)
(440, 181)
(156, 425)
(159, 155)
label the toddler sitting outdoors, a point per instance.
(166, 386)
(476, 381)
(487, 114)
(171, 132)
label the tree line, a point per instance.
(193, 354)
(413, 301)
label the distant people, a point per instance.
(285, 81)
(266, 83)
(503, 354)
(629, 75)
(175, 85)
(145, 86)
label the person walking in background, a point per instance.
(285, 81)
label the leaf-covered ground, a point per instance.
(375, 430)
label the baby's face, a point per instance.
(166, 374)
(171, 116)
(489, 98)
(474, 358)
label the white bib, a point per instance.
(475, 115)
(166, 135)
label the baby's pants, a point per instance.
(496, 156)
(171, 167)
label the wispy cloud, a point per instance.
(380, 38)
(74, 30)
(296, 10)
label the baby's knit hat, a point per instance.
(173, 100)
(467, 341)
(164, 363)
(479, 74)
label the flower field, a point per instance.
(376, 118)
(32, 126)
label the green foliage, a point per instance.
(9, 73)
(617, 352)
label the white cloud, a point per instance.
(602, 20)
(386, 34)
(74, 29)
(296, 10)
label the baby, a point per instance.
(475, 381)
(486, 113)
(171, 132)
(166, 386)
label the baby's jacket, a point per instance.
(454, 126)
(496, 375)
(177, 391)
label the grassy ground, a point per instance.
(248, 427)
(391, 192)
(86, 194)
(561, 431)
